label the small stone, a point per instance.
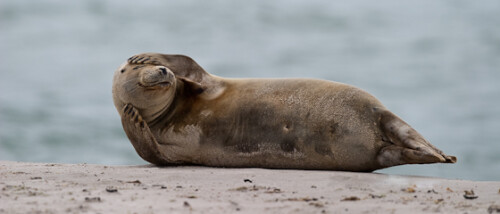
(376, 196)
(306, 199)
(111, 189)
(470, 195)
(273, 190)
(134, 182)
(317, 204)
(159, 185)
(438, 201)
(93, 199)
(246, 180)
(352, 198)
(409, 189)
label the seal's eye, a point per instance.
(123, 70)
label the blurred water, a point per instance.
(434, 63)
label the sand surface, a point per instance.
(86, 188)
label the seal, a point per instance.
(174, 112)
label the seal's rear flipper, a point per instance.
(408, 146)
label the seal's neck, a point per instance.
(164, 115)
(160, 106)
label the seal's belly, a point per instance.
(264, 139)
(283, 128)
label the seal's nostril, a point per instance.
(163, 71)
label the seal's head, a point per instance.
(149, 88)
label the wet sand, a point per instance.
(86, 188)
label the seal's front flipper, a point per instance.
(145, 58)
(408, 146)
(140, 136)
(182, 66)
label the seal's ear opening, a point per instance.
(191, 86)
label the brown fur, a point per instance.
(270, 123)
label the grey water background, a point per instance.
(436, 64)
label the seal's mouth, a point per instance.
(150, 85)
(164, 84)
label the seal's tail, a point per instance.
(408, 146)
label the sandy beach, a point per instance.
(86, 188)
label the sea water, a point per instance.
(436, 64)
